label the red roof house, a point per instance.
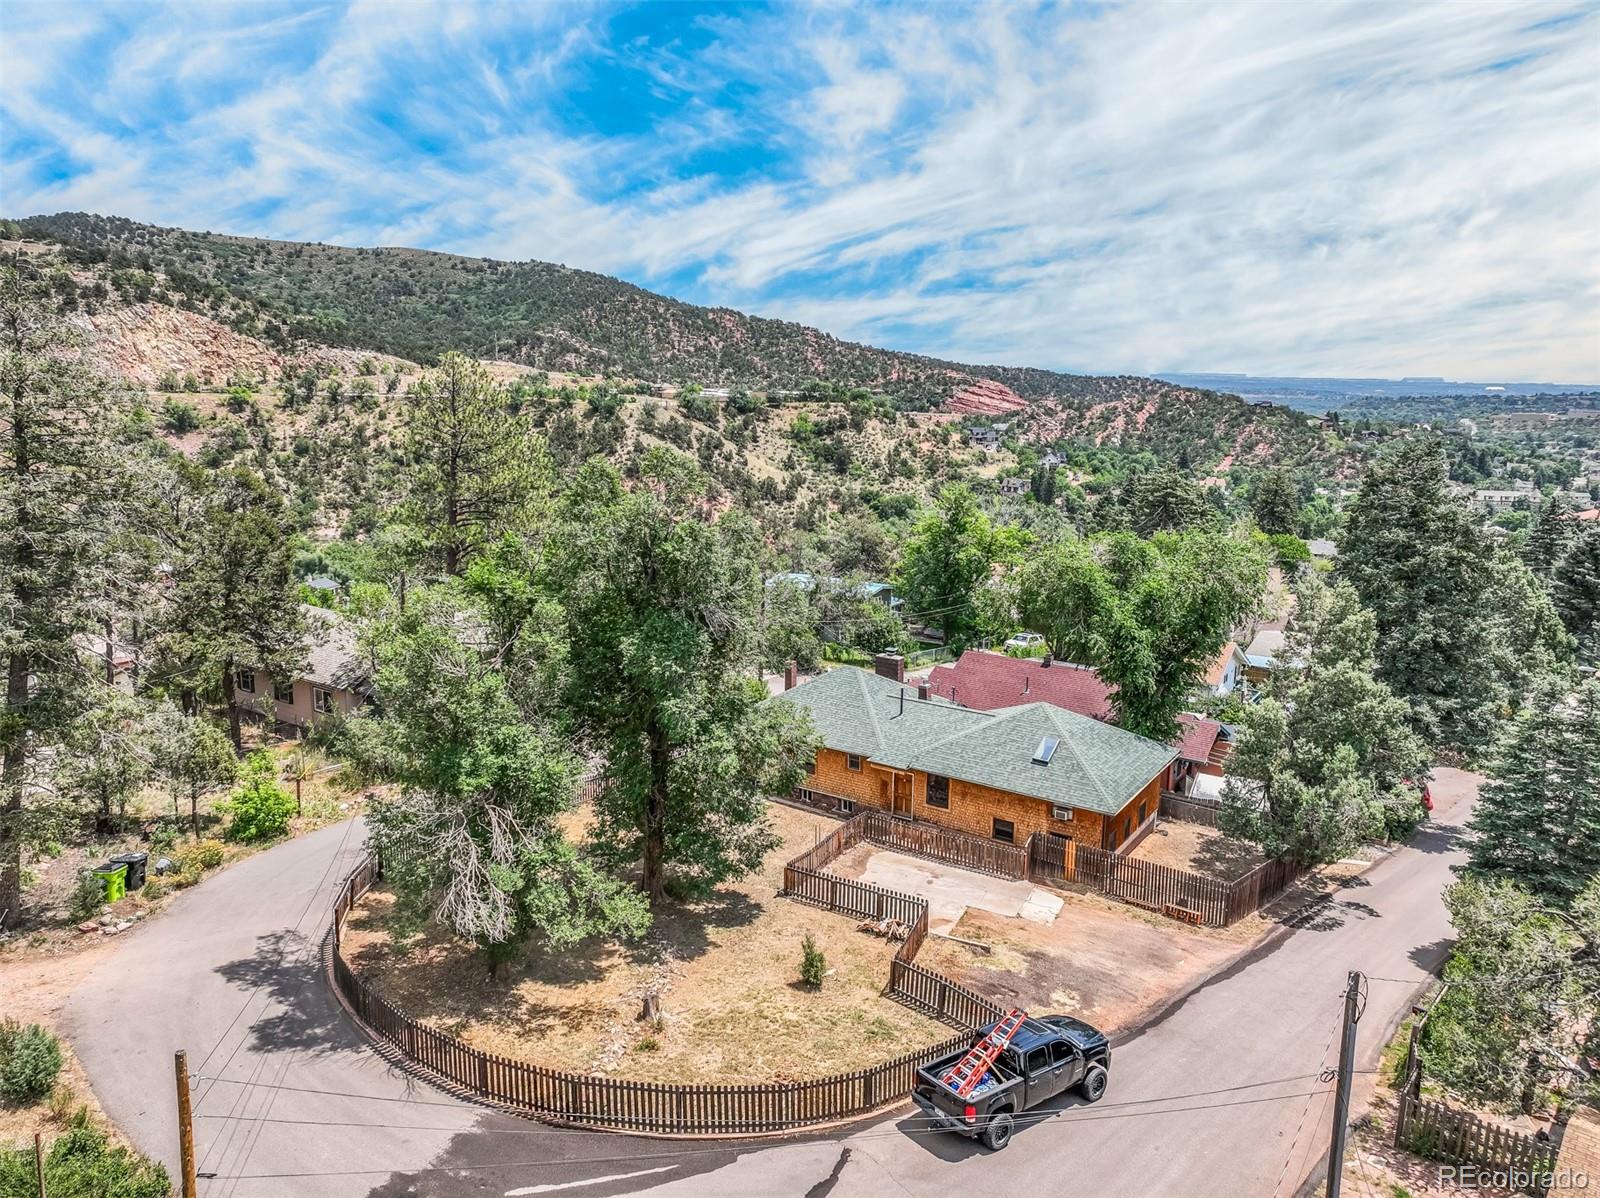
(990, 681)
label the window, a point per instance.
(322, 701)
(848, 806)
(246, 681)
(811, 766)
(1046, 750)
(1005, 830)
(1141, 812)
(1060, 838)
(283, 691)
(1061, 1052)
(938, 791)
(1039, 1060)
(852, 761)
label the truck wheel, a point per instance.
(1093, 1086)
(998, 1132)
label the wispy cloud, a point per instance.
(1331, 188)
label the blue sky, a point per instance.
(1290, 188)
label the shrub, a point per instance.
(200, 856)
(180, 417)
(260, 806)
(87, 898)
(30, 1059)
(813, 965)
(82, 1164)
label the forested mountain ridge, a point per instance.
(416, 304)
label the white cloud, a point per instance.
(1330, 188)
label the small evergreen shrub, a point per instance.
(30, 1060)
(260, 807)
(813, 965)
(87, 898)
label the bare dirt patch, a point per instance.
(726, 970)
(1107, 963)
(1199, 850)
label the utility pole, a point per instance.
(1355, 1001)
(180, 1069)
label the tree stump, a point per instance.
(652, 1008)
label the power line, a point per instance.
(897, 1133)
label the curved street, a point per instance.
(1222, 1096)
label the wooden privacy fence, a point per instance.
(940, 844)
(1156, 887)
(910, 984)
(1190, 811)
(1442, 1133)
(612, 1103)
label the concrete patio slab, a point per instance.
(950, 890)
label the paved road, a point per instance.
(1221, 1098)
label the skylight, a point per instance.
(1046, 750)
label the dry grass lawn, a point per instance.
(727, 971)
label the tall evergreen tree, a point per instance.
(1165, 501)
(1576, 587)
(234, 601)
(1537, 821)
(477, 468)
(1551, 536)
(57, 476)
(662, 618)
(1421, 564)
(1276, 503)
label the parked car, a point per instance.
(1048, 1055)
(1024, 640)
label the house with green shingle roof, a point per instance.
(1034, 769)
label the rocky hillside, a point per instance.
(415, 304)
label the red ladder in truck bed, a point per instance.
(964, 1075)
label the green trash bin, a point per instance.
(114, 877)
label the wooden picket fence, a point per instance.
(976, 853)
(1442, 1133)
(612, 1103)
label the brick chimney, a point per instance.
(924, 690)
(890, 665)
(791, 675)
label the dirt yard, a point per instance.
(727, 971)
(1108, 963)
(1198, 849)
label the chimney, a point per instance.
(791, 675)
(924, 690)
(890, 665)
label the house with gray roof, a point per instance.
(1029, 770)
(333, 683)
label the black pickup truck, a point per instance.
(1048, 1055)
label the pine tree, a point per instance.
(57, 488)
(1276, 503)
(1537, 822)
(1551, 536)
(1576, 586)
(479, 471)
(1165, 501)
(1421, 564)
